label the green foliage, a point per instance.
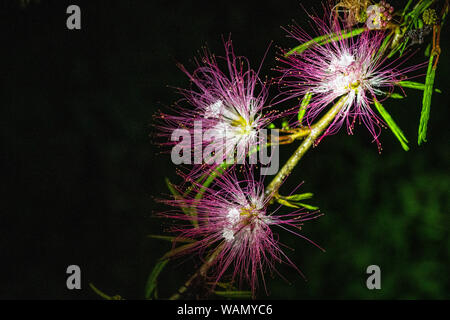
(299, 197)
(426, 100)
(177, 250)
(412, 20)
(415, 85)
(217, 172)
(325, 39)
(303, 105)
(178, 196)
(152, 280)
(385, 43)
(104, 295)
(427, 50)
(405, 9)
(392, 125)
(396, 96)
(293, 201)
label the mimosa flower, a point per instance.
(223, 109)
(234, 214)
(351, 67)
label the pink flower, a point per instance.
(223, 109)
(352, 67)
(234, 214)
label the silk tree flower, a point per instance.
(233, 217)
(222, 110)
(350, 67)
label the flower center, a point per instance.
(243, 126)
(240, 221)
(230, 117)
(345, 74)
(354, 85)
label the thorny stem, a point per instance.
(314, 133)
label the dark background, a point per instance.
(80, 171)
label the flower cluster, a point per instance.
(233, 215)
(225, 212)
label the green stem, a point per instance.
(325, 39)
(426, 100)
(104, 295)
(200, 273)
(214, 174)
(316, 131)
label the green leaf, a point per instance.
(104, 295)
(411, 21)
(303, 105)
(385, 43)
(420, 22)
(296, 205)
(427, 50)
(411, 84)
(406, 7)
(396, 96)
(299, 197)
(444, 15)
(213, 175)
(307, 206)
(402, 46)
(287, 203)
(152, 279)
(426, 101)
(177, 250)
(415, 85)
(234, 294)
(325, 39)
(392, 125)
(179, 197)
(414, 15)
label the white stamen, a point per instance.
(233, 217)
(214, 110)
